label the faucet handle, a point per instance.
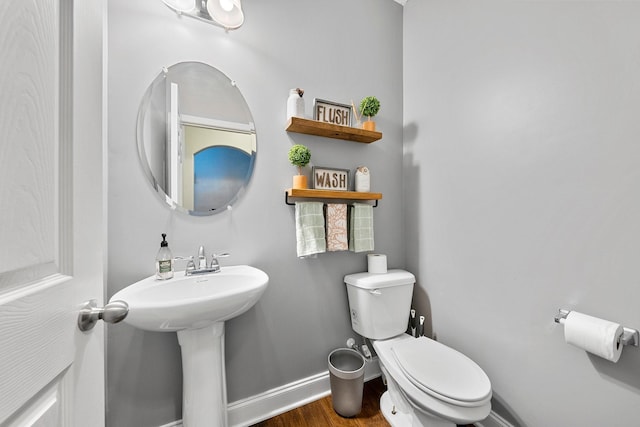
(191, 266)
(214, 259)
(222, 255)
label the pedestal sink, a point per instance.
(196, 307)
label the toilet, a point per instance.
(428, 383)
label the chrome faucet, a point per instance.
(201, 266)
(202, 259)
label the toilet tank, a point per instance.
(380, 303)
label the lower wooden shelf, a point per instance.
(329, 194)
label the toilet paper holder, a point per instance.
(629, 336)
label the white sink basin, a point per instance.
(192, 302)
(196, 307)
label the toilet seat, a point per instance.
(435, 398)
(442, 372)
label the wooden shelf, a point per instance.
(330, 194)
(328, 130)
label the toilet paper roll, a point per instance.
(597, 336)
(377, 263)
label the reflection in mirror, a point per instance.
(196, 138)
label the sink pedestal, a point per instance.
(204, 385)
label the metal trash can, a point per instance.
(346, 374)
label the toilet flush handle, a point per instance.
(375, 292)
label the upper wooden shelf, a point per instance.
(314, 127)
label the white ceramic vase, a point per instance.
(295, 104)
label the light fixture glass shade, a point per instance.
(230, 19)
(227, 5)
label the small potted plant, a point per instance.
(369, 107)
(299, 156)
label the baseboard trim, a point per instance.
(252, 410)
(493, 420)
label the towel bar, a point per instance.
(629, 337)
(287, 202)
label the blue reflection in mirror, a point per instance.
(220, 172)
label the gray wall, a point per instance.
(333, 49)
(522, 177)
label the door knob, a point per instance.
(90, 313)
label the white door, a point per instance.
(52, 226)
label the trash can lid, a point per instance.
(346, 363)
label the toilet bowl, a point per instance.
(428, 383)
(443, 386)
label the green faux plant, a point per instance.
(369, 106)
(299, 156)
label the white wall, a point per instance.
(333, 49)
(522, 170)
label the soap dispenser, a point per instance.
(164, 260)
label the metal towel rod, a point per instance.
(286, 200)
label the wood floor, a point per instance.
(321, 414)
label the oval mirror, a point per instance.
(196, 138)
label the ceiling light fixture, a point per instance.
(227, 14)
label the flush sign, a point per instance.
(331, 112)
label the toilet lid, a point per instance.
(438, 369)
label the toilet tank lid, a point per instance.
(380, 280)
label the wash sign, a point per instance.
(330, 179)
